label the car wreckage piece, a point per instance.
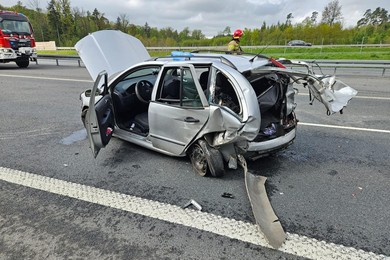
(265, 216)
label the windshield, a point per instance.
(12, 26)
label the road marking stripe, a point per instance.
(368, 97)
(35, 77)
(347, 127)
(362, 97)
(247, 232)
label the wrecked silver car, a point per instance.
(213, 107)
(209, 106)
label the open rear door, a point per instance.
(99, 120)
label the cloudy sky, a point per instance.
(213, 16)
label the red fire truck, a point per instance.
(17, 41)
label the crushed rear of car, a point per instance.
(276, 82)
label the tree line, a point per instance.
(66, 25)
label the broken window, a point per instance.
(224, 94)
(178, 88)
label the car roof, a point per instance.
(241, 63)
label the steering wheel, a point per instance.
(143, 90)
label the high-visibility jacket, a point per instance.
(234, 46)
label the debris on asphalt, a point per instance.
(263, 212)
(227, 195)
(194, 203)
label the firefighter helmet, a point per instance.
(237, 33)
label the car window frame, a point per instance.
(234, 85)
(178, 102)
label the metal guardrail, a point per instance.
(57, 58)
(382, 65)
(359, 64)
(362, 64)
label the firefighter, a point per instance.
(234, 44)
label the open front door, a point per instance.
(99, 120)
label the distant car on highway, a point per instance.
(298, 43)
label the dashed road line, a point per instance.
(346, 127)
(295, 244)
(35, 77)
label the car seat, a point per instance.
(141, 123)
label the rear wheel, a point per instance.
(207, 160)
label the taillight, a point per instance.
(32, 42)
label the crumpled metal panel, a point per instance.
(265, 216)
(332, 92)
(229, 126)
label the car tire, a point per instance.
(207, 160)
(22, 63)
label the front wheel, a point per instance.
(22, 63)
(207, 160)
(83, 115)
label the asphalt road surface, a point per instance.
(329, 189)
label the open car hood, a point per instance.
(110, 50)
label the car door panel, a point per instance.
(180, 111)
(172, 128)
(99, 118)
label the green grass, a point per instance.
(305, 53)
(58, 52)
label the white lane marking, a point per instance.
(243, 231)
(347, 127)
(27, 134)
(368, 97)
(35, 77)
(362, 97)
